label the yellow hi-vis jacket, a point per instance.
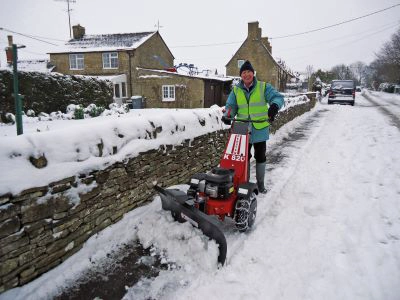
(256, 108)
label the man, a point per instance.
(256, 100)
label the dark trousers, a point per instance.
(259, 151)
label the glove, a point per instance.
(226, 120)
(272, 111)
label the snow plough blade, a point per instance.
(183, 207)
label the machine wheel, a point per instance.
(245, 213)
(177, 217)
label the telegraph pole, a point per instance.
(158, 25)
(69, 14)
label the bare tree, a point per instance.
(309, 71)
(341, 72)
(386, 66)
(358, 68)
(69, 14)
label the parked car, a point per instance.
(386, 87)
(327, 89)
(342, 91)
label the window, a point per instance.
(76, 62)
(168, 93)
(123, 86)
(110, 60)
(116, 91)
(120, 89)
(240, 63)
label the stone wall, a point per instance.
(189, 91)
(289, 114)
(48, 93)
(41, 227)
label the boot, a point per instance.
(260, 174)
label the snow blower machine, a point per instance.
(225, 191)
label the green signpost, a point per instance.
(17, 96)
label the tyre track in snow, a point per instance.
(294, 252)
(395, 120)
(268, 205)
(297, 134)
(93, 283)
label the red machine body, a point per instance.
(235, 157)
(224, 191)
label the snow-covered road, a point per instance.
(329, 227)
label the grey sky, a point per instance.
(193, 23)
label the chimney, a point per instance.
(254, 31)
(9, 52)
(78, 31)
(267, 44)
(10, 40)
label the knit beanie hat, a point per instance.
(246, 66)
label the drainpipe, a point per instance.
(131, 53)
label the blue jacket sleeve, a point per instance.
(273, 96)
(231, 105)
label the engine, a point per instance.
(218, 183)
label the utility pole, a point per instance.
(158, 25)
(69, 14)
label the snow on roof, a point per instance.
(200, 76)
(106, 42)
(42, 66)
(111, 78)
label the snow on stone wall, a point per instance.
(42, 226)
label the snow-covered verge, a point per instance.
(391, 101)
(71, 146)
(328, 228)
(73, 112)
(292, 100)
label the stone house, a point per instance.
(181, 90)
(138, 64)
(258, 51)
(114, 57)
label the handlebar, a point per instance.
(251, 121)
(248, 120)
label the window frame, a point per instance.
(169, 89)
(120, 90)
(124, 90)
(74, 59)
(240, 63)
(108, 58)
(117, 91)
